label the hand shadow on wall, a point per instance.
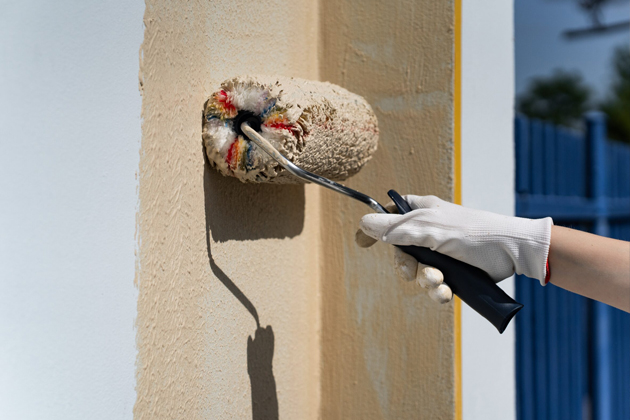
(260, 348)
(260, 369)
(238, 211)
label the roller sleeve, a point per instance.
(321, 127)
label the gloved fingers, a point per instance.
(405, 265)
(441, 294)
(428, 277)
(408, 269)
(433, 279)
(366, 241)
(376, 225)
(408, 229)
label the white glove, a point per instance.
(408, 269)
(499, 245)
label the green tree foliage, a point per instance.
(561, 98)
(617, 105)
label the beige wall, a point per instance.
(218, 258)
(215, 254)
(387, 349)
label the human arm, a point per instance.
(502, 245)
(591, 266)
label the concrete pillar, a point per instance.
(387, 349)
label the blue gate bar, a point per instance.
(549, 145)
(521, 128)
(596, 137)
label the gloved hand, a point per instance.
(499, 245)
(409, 269)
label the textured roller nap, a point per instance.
(319, 126)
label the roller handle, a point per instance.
(473, 285)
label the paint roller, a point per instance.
(287, 130)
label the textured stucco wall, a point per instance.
(387, 349)
(217, 257)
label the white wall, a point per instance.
(69, 140)
(488, 184)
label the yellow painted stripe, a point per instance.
(457, 195)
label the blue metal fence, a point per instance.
(572, 354)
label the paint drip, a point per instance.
(321, 127)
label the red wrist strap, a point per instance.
(548, 274)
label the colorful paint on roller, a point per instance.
(319, 126)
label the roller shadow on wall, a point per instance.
(238, 211)
(259, 354)
(260, 348)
